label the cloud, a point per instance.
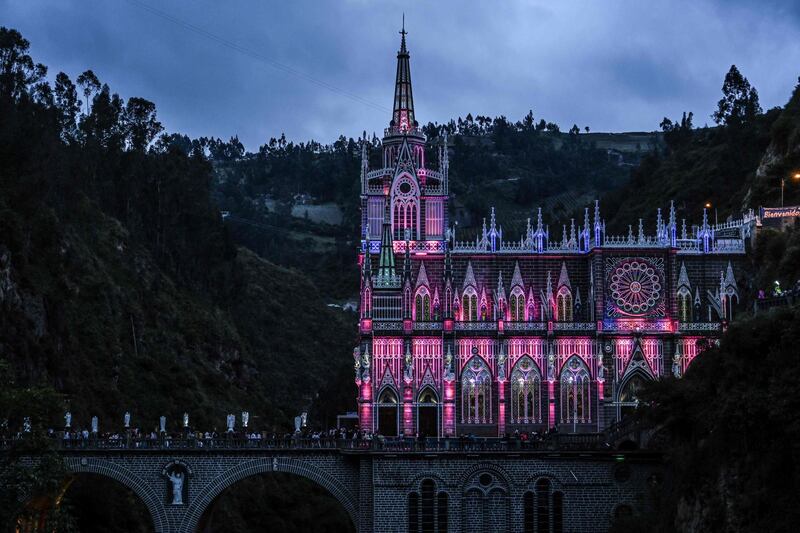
(612, 66)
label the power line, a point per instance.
(257, 55)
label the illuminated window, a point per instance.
(575, 393)
(517, 305)
(526, 404)
(469, 307)
(564, 305)
(433, 219)
(684, 305)
(422, 305)
(375, 216)
(476, 393)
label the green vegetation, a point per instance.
(731, 426)
(120, 287)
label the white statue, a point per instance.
(231, 420)
(177, 487)
(601, 369)
(26, 424)
(186, 420)
(162, 423)
(67, 419)
(245, 418)
(94, 424)
(127, 419)
(676, 366)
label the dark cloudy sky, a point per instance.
(315, 69)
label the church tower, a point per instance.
(403, 191)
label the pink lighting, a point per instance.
(408, 412)
(449, 412)
(365, 409)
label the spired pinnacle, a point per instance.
(403, 108)
(403, 33)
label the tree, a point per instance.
(17, 69)
(140, 124)
(103, 125)
(574, 130)
(90, 85)
(67, 105)
(739, 102)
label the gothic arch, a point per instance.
(387, 388)
(525, 400)
(150, 496)
(635, 373)
(575, 392)
(214, 488)
(428, 389)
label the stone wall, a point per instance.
(482, 491)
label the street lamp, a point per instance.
(795, 176)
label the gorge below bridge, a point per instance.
(566, 485)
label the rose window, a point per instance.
(635, 287)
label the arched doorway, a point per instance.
(388, 413)
(275, 502)
(428, 413)
(628, 399)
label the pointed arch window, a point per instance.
(476, 393)
(564, 305)
(531, 308)
(517, 305)
(684, 304)
(405, 208)
(422, 305)
(526, 390)
(576, 397)
(469, 305)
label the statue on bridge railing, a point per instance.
(67, 419)
(176, 477)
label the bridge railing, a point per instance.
(551, 442)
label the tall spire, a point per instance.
(403, 111)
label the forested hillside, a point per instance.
(119, 284)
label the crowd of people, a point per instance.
(304, 438)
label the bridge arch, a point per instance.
(151, 498)
(207, 494)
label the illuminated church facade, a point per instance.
(493, 336)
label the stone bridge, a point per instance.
(487, 485)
